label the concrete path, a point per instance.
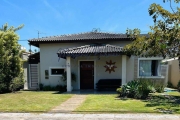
(69, 105)
(67, 116)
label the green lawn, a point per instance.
(28, 101)
(109, 103)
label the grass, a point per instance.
(157, 103)
(29, 101)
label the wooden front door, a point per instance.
(87, 75)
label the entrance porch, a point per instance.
(91, 65)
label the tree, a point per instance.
(11, 28)
(164, 38)
(10, 58)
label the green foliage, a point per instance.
(159, 88)
(119, 90)
(3, 88)
(48, 88)
(169, 84)
(163, 40)
(11, 28)
(17, 83)
(140, 88)
(41, 86)
(178, 86)
(10, 57)
(59, 88)
(64, 76)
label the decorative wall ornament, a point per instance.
(110, 66)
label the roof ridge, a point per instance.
(64, 35)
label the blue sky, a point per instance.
(57, 17)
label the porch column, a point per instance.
(68, 71)
(124, 59)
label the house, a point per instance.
(91, 56)
(173, 71)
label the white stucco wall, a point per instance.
(130, 69)
(49, 58)
(99, 69)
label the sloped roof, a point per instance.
(87, 36)
(82, 36)
(87, 50)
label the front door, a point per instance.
(86, 74)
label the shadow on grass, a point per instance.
(15, 92)
(164, 103)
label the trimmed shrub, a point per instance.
(59, 88)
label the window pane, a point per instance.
(154, 68)
(149, 68)
(57, 71)
(145, 68)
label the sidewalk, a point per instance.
(69, 105)
(67, 116)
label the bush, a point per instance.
(178, 86)
(119, 90)
(145, 87)
(139, 88)
(59, 88)
(159, 88)
(3, 87)
(48, 88)
(169, 84)
(17, 83)
(41, 86)
(64, 76)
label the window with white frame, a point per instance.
(56, 71)
(149, 68)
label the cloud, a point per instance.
(58, 14)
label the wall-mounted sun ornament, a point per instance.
(110, 66)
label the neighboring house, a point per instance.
(25, 57)
(174, 70)
(91, 56)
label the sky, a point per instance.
(58, 17)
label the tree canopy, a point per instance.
(164, 36)
(10, 57)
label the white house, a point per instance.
(91, 56)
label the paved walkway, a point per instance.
(69, 105)
(67, 116)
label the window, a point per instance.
(149, 68)
(56, 71)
